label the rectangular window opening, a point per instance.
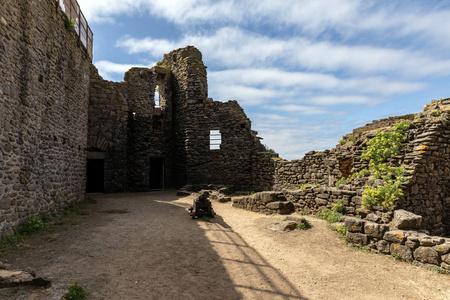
(157, 96)
(215, 139)
(157, 126)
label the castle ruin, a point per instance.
(64, 131)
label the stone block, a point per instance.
(442, 248)
(406, 220)
(357, 200)
(383, 247)
(287, 208)
(14, 278)
(295, 219)
(354, 224)
(446, 258)
(323, 196)
(403, 251)
(224, 199)
(426, 241)
(375, 230)
(357, 238)
(395, 236)
(412, 244)
(267, 197)
(373, 217)
(321, 202)
(274, 205)
(427, 255)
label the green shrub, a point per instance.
(436, 113)
(341, 230)
(329, 215)
(70, 24)
(343, 180)
(383, 195)
(385, 144)
(338, 206)
(304, 225)
(76, 292)
(30, 225)
(304, 186)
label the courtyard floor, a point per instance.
(145, 246)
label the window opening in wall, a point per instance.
(157, 96)
(346, 166)
(157, 125)
(157, 173)
(215, 139)
(95, 175)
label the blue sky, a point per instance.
(306, 72)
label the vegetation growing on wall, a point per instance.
(70, 24)
(384, 145)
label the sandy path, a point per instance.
(156, 251)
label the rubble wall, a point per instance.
(108, 119)
(425, 157)
(44, 86)
(149, 127)
(195, 116)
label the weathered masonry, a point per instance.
(64, 131)
(159, 129)
(44, 95)
(425, 157)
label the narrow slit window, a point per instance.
(157, 96)
(157, 126)
(215, 139)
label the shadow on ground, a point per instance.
(145, 246)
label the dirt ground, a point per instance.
(145, 246)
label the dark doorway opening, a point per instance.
(95, 175)
(157, 173)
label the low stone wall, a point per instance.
(380, 232)
(312, 200)
(377, 124)
(321, 167)
(409, 245)
(265, 202)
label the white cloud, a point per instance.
(110, 70)
(306, 81)
(417, 21)
(299, 109)
(226, 47)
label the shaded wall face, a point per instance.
(195, 117)
(107, 137)
(223, 126)
(129, 132)
(149, 129)
(43, 111)
(428, 165)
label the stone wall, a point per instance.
(425, 157)
(107, 138)
(43, 111)
(427, 165)
(377, 124)
(149, 128)
(315, 167)
(196, 115)
(127, 128)
(407, 244)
